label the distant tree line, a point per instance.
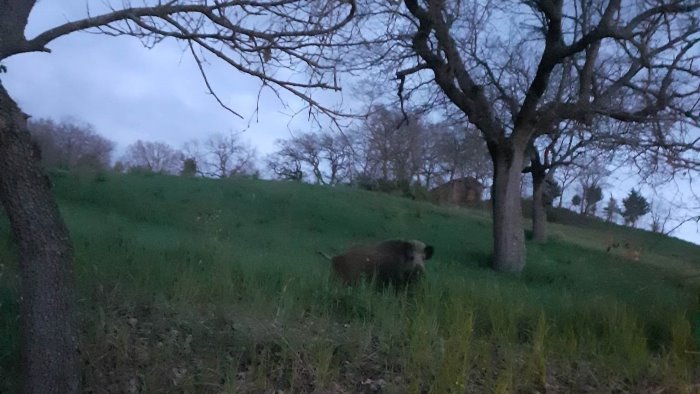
(386, 151)
(74, 145)
(217, 156)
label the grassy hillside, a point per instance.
(201, 285)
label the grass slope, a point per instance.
(199, 285)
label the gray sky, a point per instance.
(129, 92)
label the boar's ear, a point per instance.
(429, 252)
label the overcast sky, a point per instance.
(129, 92)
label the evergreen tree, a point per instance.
(576, 200)
(552, 190)
(636, 206)
(592, 196)
(189, 167)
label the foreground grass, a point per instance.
(216, 286)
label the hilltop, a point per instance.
(216, 285)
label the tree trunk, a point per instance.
(508, 235)
(539, 211)
(49, 344)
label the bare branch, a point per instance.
(206, 82)
(296, 36)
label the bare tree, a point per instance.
(295, 34)
(294, 155)
(376, 135)
(156, 157)
(396, 151)
(227, 155)
(70, 144)
(308, 147)
(336, 150)
(463, 153)
(286, 163)
(661, 217)
(560, 149)
(592, 177)
(327, 157)
(566, 176)
(430, 164)
(391, 148)
(575, 60)
(611, 210)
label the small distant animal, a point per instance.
(395, 262)
(630, 251)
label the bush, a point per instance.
(365, 182)
(420, 192)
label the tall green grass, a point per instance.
(205, 285)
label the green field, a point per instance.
(197, 285)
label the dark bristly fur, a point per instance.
(395, 262)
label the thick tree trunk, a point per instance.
(49, 343)
(508, 235)
(539, 211)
